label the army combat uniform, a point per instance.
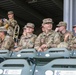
(27, 41)
(50, 39)
(72, 43)
(73, 40)
(63, 35)
(65, 40)
(7, 43)
(10, 24)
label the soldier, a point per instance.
(28, 38)
(11, 23)
(63, 32)
(6, 41)
(66, 35)
(48, 38)
(73, 41)
(12, 26)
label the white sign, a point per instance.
(12, 71)
(47, 55)
(19, 55)
(65, 72)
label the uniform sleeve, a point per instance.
(70, 36)
(54, 40)
(7, 44)
(20, 42)
(72, 43)
(37, 42)
(57, 38)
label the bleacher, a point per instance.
(54, 61)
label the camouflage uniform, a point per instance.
(66, 32)
(10, 24)
(28, 41)
(63, 36)
(63, 45)
(7, 43)
(51, 38)
(73, 41)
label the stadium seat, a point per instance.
(4, 53)
(73, 53)
(54, 52)
(57, 67)
(15, 67)
(24, 53)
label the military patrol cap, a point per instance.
(47, 20)
(62, 23)
(3, 29)
(10, 12)
(30, 25)
(74, 26)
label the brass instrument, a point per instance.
(16, 32)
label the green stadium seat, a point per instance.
(57, 67)
(54, 52)
(4, 53)
(15, 67)
(30, 53)
(73, 53)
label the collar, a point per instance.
(11, 19)
(49, 33)
(28, 36)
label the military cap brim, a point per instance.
(47, 23)
(31, 25)
(10, 12)
(61, 25)
(74, 26)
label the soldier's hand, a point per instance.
(43, 46)
(39, 50)
(74, 45)
(57, 29)
(5, 20)
(17, 49)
